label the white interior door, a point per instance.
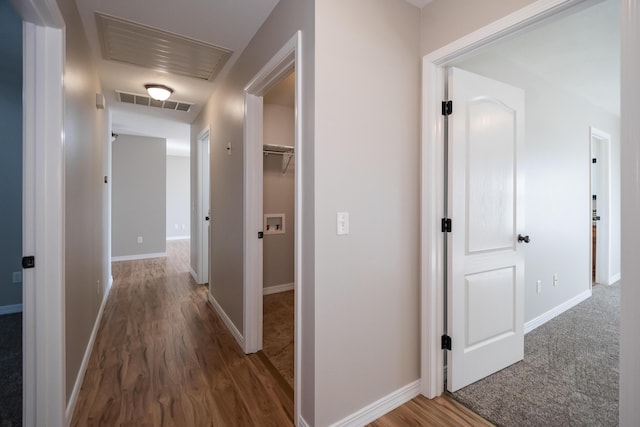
(205, 209)
(486, 268)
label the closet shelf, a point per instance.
(285, 151)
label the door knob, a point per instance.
(522, 238)
(206, 218)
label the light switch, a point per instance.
(342, 223)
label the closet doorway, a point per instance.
(278, 227)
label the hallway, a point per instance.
(162, 357)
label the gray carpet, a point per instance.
(11, 370)
(569, 375)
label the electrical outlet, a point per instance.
(555, 279)
(139, 239)
(539, 286)
(17, 277)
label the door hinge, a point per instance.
(28, 262)
(260, 234)
(447, 108)
(446, 225)
(594, 160)
(446, 342)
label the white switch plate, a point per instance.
(139, 239)
(539, 286)
(342, 223)
(17, 277)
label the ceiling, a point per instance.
(579, 52)
(223, 23)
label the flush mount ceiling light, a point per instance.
(158, 92)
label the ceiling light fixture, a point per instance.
(158, 92)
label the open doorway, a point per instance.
(279, 227)
(601, 208)
(556, 165)
(282, 65)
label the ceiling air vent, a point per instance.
(132, 43)
(138, 99)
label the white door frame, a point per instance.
(286, 60)
(44, 395)
(432, 172)
(603, 240)
(202, 241)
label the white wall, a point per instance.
(367, 164)
(11, 158)
(557, 192)
(278, 196)
(178, 200)
(139, 189)
(85, 137)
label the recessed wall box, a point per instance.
(274, 224)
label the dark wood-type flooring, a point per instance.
(277, 340)
(162, 357)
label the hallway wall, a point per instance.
(85, 135)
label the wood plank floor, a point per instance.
(162, 357)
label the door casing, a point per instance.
(432, 176)
(279, 66)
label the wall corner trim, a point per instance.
(302, 422)
(556, 311)
(227, 321)
(194, 275)
(73, 399)
(381, 406)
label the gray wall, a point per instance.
(226, 253)
(86, 136)
(557, 197)
(278, 197)
(367, 148)
(139, 207)
(178, 218)
(11, 158)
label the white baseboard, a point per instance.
(556, 311)
(278, 288)
(380, 407)
(10, 309)
(179, 238)
(194, 275)
(139, 256)
(227, 321)
(73, 399)
(302, 422)
(615, 278)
